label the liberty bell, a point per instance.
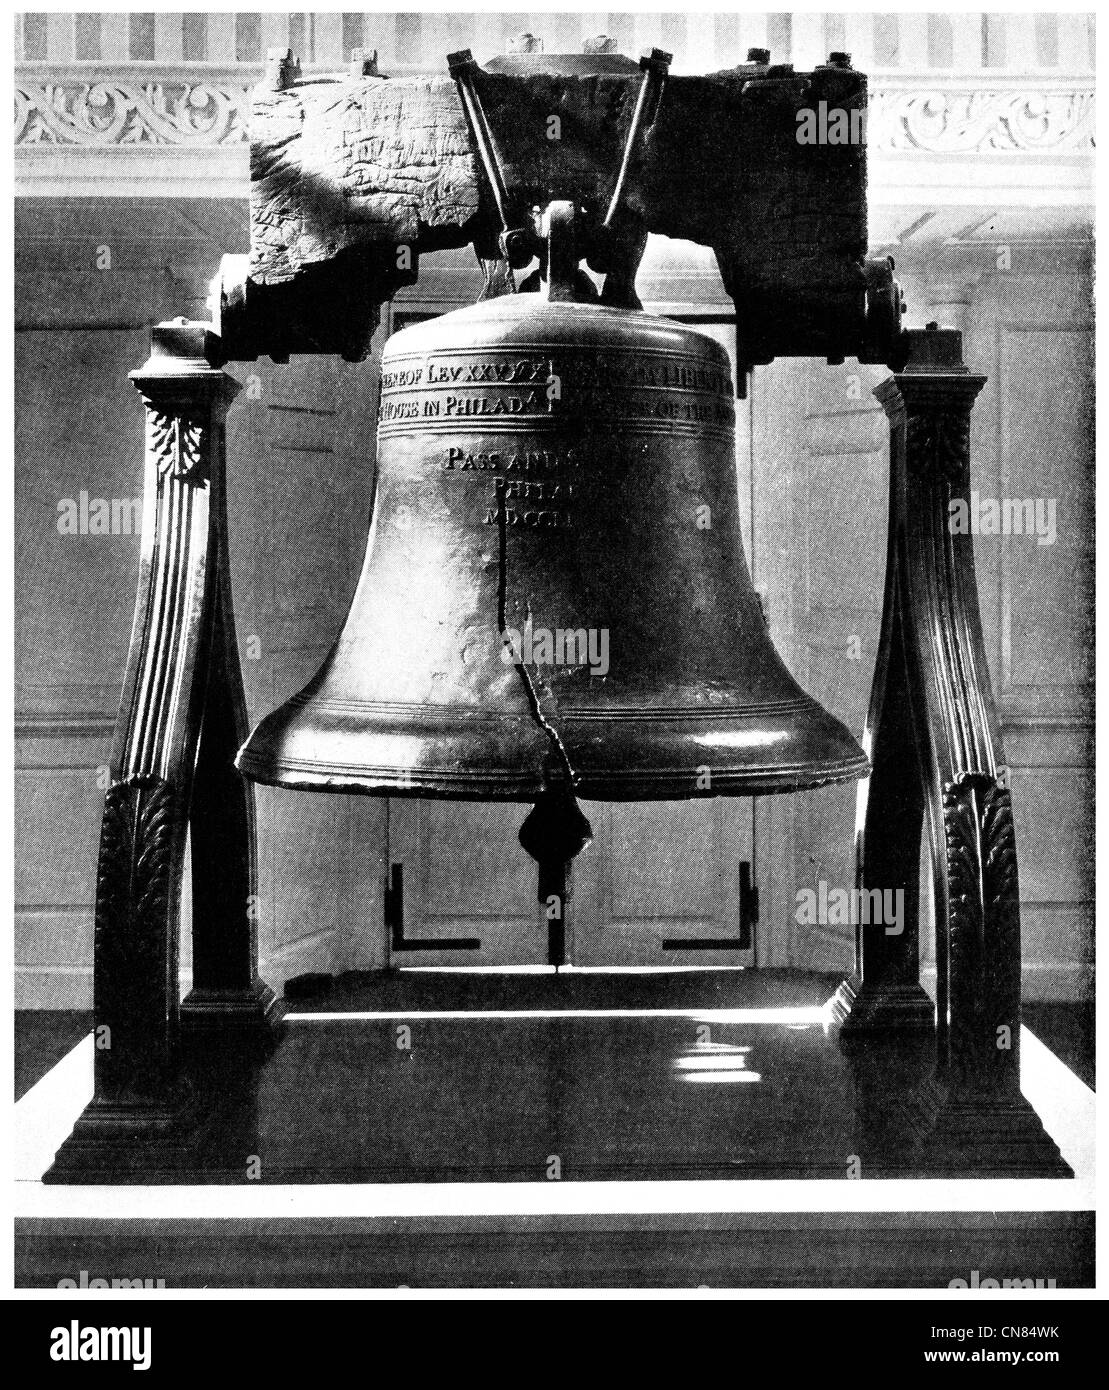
(554, 598)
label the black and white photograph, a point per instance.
(553, 594)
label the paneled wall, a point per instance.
(821, 450)
(90, 281)
(87, 289)
(1027, 326)
(1032, 332)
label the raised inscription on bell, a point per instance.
(459, 458)
(543, 519)
(460, 406)
(649, 390)
(571, 371)
(493, 373)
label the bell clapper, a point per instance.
(554, 833)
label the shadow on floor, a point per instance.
(1068, 1031)
(42, 1039)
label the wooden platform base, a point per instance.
(730, 1075)
(926, 1250)
(437, 1131)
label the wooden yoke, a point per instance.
(353, 178)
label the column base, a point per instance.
(256, 1009)
(111, 1142)
(859, 1008)
(999, 1137)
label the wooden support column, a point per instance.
(935, 743)
(180, 721)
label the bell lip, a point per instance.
(615, 754)
(655, 784)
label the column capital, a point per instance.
(182, 369)
(934, 377)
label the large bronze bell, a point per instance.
(554, 591)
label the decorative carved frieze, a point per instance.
(72, 112)
(1022, 118)
(925, 116)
